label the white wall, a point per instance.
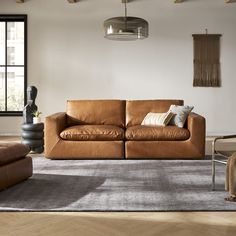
(69, 58)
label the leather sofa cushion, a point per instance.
(11, 152)
(93, 133)
(136, 110)
(157, 133)
(96, 112)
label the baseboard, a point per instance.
(10, 134)
(214, 134)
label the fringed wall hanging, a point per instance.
(206, 60)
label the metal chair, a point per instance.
(221, 153)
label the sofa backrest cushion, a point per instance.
(136, 110)
(96, 112)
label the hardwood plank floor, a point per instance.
(118, 224)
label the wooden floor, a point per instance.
(117, 224)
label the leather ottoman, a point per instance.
(15, 166)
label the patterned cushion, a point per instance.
(157, 119)
(181, 114)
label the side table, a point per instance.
(33, 136)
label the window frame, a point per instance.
(16, 18)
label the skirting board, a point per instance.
(10, 134)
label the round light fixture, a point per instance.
(126, 28)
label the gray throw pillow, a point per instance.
(181, 114)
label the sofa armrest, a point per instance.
(54, 124)
(196, 125)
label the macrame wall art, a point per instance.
(206, 60)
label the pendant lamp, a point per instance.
(125, 28)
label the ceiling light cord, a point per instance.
(125, 9)
(126, 14)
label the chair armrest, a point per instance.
(214, 151)
(54, 124)
(225, 137)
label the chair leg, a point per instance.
(213, 165)
(213, 175)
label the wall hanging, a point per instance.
(206, 60)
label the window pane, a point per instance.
(15, 43)
(15, 88)
(2, 89)
(2, 43)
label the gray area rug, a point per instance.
(118, 185)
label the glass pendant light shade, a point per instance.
(126, 28)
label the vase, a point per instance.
(36, 120)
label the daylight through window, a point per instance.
(12, 64)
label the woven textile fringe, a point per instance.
(206, 61)
(206, 75)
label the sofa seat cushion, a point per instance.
(93, 133)
(157, 133)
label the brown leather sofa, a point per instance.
(15, 165)
(110, 129)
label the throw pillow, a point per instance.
(181, 114)
(157, 119)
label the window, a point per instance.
(13, 64)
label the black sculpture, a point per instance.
(32, 134)
(30, 106)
